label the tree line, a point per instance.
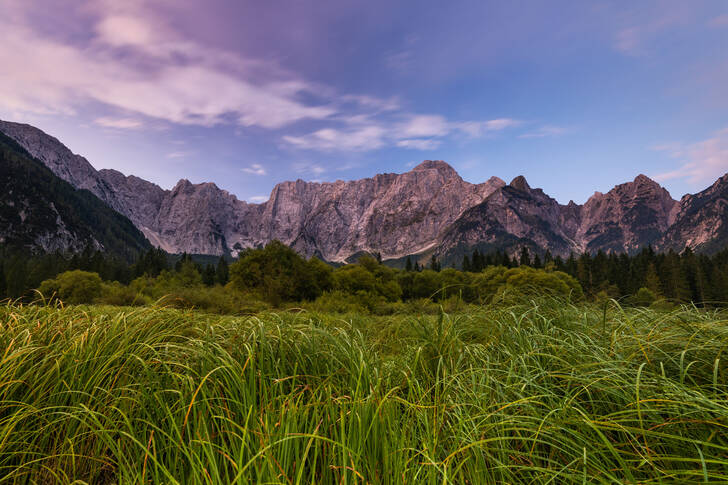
(276, 274)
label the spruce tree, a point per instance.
(525, 258)
(466, 263)
(222, 273)
(652, 280)
(208, 275)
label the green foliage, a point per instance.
(74, 287)
(499, 283)
(644, 297)
(278, 274)
(26, 182)
(538, 392)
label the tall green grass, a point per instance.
(539, 392)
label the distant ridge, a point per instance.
(40, 212)
(429, 210)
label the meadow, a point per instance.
(535, 391)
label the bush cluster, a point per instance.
(276, 276)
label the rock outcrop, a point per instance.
(512, 217)
(40, 212)
(392, 214)
(428, 210)
(700, 221)
(625, 219)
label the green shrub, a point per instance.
(278, 274)
(643, 297)
(501, 284)
(120, 295)
(74, 287)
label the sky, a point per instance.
(578, 96)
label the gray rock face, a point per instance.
(394, 214)
(72, 168)
(429, 209)
(700, 221)
(136, 198)
(511, 217)
(628, 217)
(625, 219)
(201, 218)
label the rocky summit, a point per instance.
(427, 210)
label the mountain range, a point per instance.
(429, 210)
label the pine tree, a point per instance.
(652, 280)
(525, 259)
(477, 263)
(408, 264)
(466, 263)
(536, 261)
(675, 284)
(208, 275)
(222, 272)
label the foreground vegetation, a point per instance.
(276, 276)
(538, 391)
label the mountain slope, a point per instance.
(700, 221)
(628, 217)
(393, 214)
(41, 212)
(512, 217)
(427, 210)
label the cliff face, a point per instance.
(40, 212)
(700, 221)
(70, 167)
(628, 217)
(512, 217)
(427, 210)
(394, 214)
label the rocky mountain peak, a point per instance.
(520, 183)
(429, 208)
(644, 179)
(626, 218)
(700, 220)
(439, 165)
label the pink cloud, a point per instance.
(701, 162)
(160, 74)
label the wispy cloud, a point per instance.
(257, 199)
(179, 154)
(356, 139)
(308, 168)
(413, 131)
(254, 169)
(635, 38)
(419, 144)
(480, 128)
(402, 60)
(700, 162)
(544, 131)
(423, 125)
(119, 123)
(135, 62)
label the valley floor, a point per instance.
(538, 392)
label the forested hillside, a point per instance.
(41, 213)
